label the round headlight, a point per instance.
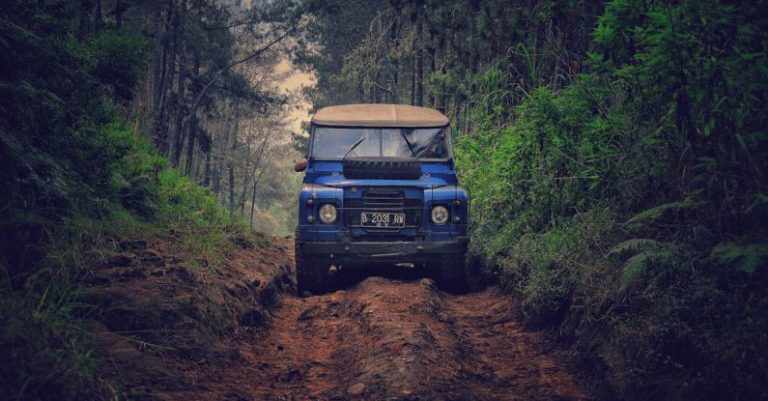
(328, 213)
(439, 215)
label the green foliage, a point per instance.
(746, 258)
(546, 268)
(656, 212)
(647, 257)
(75, 180)
(45, 354)
(190, 212)
(667, 131)
(117, 60)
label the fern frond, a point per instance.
(746, 258)
(636, 267)
(634, 245)
(652, 214)
(646, 263)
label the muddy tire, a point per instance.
(451, 274)
(312, 274)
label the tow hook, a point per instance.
(333, 270)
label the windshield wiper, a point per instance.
(353, 148)
(410, 146)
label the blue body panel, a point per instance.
(324, 182)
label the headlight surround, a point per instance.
(328, 213)
(440, 215)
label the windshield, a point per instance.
(333, 143)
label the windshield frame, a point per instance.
(448, 138)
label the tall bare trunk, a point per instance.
(394, 61)
(253, 202)
(207, 170)
(231, 165)
(473, 55)
(447, 66)
(246, 177)
(163, 87)
(193, 127)
(418, 58)
(432, 54)
(181, 88)
(218, 162)
(253, 194)
(118, 14)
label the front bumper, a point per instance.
(397, 250)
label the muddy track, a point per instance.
(380, 339)
(393, 340)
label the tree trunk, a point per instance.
(84, 18)
(218, 161)
(253, 194)
(163, 87)
(99, 17)
(193, 127)
(216, 176)
(475, 5)
(446, 65)
(256, 163)
(253, 202)
(207, 171)
(181, 89)
(418, 58)
(118, 14)
(231, 169)
(191, 139)
(432, 53)
(394, 61)
(246, 178)
(231, 166)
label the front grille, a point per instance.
(383, 200)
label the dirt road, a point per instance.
(380, 339)
(390, 340)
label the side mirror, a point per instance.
(300, 165)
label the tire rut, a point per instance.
(393, 340)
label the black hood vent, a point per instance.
(384, 168)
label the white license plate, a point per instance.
(376, 219)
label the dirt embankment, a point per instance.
(380, 339)
(157, 318)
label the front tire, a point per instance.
(451, 273)
(312, 274)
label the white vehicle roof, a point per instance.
(379, 115)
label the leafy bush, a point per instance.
(74, 179)
(627, 210)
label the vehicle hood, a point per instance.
(433, 175)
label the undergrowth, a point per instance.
(76, 181)
(626, 211)
(47, 346)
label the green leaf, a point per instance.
(635, 245)
(636, 267)
(652, 214)
(746, 258)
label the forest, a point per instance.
(615, 154)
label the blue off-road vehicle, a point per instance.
(380, 189)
